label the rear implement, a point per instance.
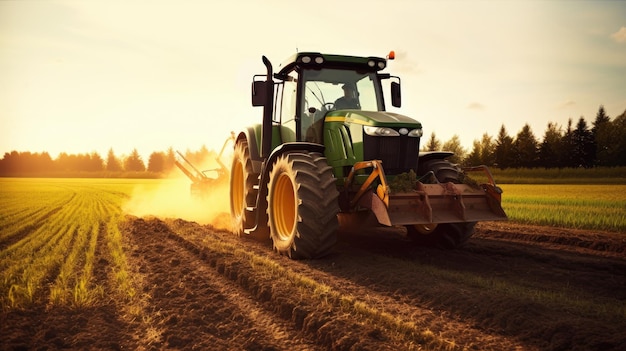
(201, 183)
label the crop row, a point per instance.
(53, 234)
(57, 234)
(601, 207)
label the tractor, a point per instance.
(327, 152)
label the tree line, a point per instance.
(92, 164)
(603, 144)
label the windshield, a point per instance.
(332, 89)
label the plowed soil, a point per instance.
(512, 287)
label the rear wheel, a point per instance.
(242, 192)
(302, 206)
(445, 235)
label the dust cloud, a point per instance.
(171, 198)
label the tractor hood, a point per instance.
(373, 118)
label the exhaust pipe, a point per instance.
(266, 137)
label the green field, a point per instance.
(581, 176)
(600, 207)
(51, 230)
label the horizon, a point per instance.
(425, 139)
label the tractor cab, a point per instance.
(310, 85)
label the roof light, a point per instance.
(306, 59)
(371, 63)
(319, 60)
(392, 55)
(381, 64)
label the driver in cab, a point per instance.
(349, 99)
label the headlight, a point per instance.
(416, 133)
(380, 131)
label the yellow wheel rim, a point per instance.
(237, 190)
(284, 207)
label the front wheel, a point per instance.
(302, 206)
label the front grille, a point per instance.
(398, 153)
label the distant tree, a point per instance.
(616, 141)
(67, 162)
(96, 163)
(503, 150)
(433, 143)
(454, 145)
(473, 158)
(199, 156)
(26, 163)
(79, 162)
(487, 151)
(483, 152)
(156, 162)
(583, 153)
(169, 159)
(8, 164)
(567, 147)
(45, 162)
(601, 132)
(113, 163)
(601, 119)
(551, 147)
(134, 163)
(526, 148)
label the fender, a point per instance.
(250, 136)
(433, 155)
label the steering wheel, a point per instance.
(328, 106)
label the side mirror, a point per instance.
(259, 92)
(396, 95)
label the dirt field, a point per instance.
(512, 287)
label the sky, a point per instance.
(89, 76)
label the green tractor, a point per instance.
(327, 150)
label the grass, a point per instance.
(615, 175)
(601, 207)
(50, 233)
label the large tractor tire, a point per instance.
(242, 191)
(444, 235)
(302, 206)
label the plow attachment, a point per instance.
(435, 203)
(429, 204)
(201, 183)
